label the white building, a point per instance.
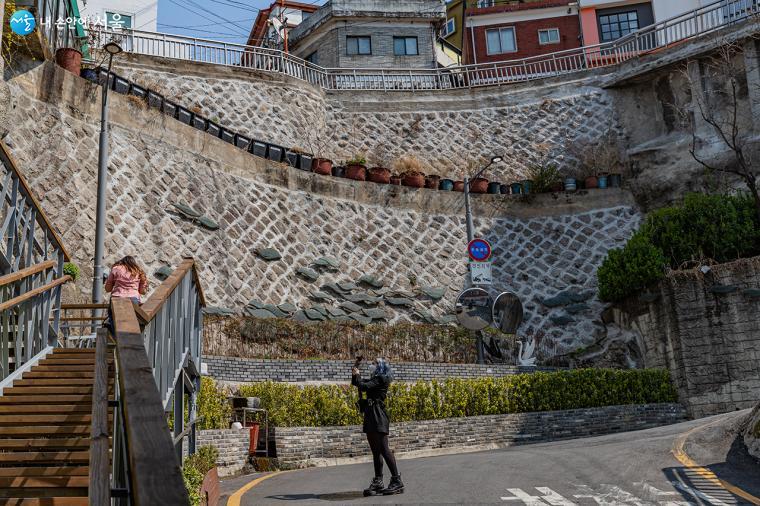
(134, 14)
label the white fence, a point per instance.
(647, 40)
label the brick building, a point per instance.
(497, 31)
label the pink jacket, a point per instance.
(122, 283)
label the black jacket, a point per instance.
(375, 415)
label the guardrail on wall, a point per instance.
(651, 38)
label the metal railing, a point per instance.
(157, 358)
(648, 39)
(31, 272)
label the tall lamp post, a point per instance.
(471, 236)
(112, 49)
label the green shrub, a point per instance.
(329, 405)
(717, 227)
(544, 176)
(213, 405)
(194, 469)
(630, 269)
(71, 269)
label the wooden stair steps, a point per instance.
(69, 351)
(58, 409)
(58, 374)
(51, 382)
(46, 420)
(60, 457)
(48, 390)
(45, 430)
(44, 481)
(46, 399)
(74, 470)
(46, 501)
(21, 444)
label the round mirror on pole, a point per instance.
(474, 309)
(507, 313)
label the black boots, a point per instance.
(375, 488)
(395, 486)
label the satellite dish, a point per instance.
(474, 309)
(507, 313)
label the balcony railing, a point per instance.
(691, 24)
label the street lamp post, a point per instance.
(112, 49)
(470, 237)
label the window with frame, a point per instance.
(358, 45)
(405, 46)
(614, 26)
(118, 20)
(548, 36)
(501, 40)
(450, 27)
(313, 58)
(485, 3)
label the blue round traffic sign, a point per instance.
(479, 250)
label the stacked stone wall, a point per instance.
(704, 328)
(407, 238)
(319, 446)
(242, 370)
(233, 446)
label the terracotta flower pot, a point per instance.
(413, 180)
(379, 175)
(432, 181)
(479, 185)
(458, 186)
(591, 182)
(70, 59)
(396, 180)
(322, 166)
(356, 172)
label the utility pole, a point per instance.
(284, 20)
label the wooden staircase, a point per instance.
(45, 426)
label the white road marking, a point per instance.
(554, 498)
(611, 495)
(519, 495)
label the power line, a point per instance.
(209, 12)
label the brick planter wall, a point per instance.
(248, 370)
(232, 445)
(320, 446)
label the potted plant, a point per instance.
(379, 175)
(504, 189)
(602, 178)
(70, 59)
(432, 181)
(410, 167)
(543, 177)
(446, 185)
(396, 180)
(494, 188)
(322, 166)
(458, 186)
(479, 185)
(356, 168)
(89, 73)
(516, 188)
(597, 159)
(339, 171)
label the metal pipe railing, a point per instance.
(659, 35)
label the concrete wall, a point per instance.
(233, 446)
(243, 370)
(408, 238)
(321, 446)
(704, 328)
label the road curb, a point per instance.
(680, 454)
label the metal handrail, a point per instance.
(660, 35)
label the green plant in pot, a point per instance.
(545, 177)
(356, 168)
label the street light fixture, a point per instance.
(112, 48)
(471, 235)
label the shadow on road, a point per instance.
(699, 489)
(335, 496)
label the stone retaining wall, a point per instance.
(233, 447)
(704, 328)
(752, 435)
(249, 370)
(319, 446)
(544, 246)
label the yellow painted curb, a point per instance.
(683, 458)
(234, 499)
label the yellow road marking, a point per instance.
(683, 458)
(234, 499)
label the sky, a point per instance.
(224, 20)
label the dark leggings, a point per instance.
(378, 443)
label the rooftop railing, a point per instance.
(649, 39)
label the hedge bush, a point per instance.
(327, 405)
(194, 469)
(715, 227)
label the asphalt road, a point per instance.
(635, 468)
